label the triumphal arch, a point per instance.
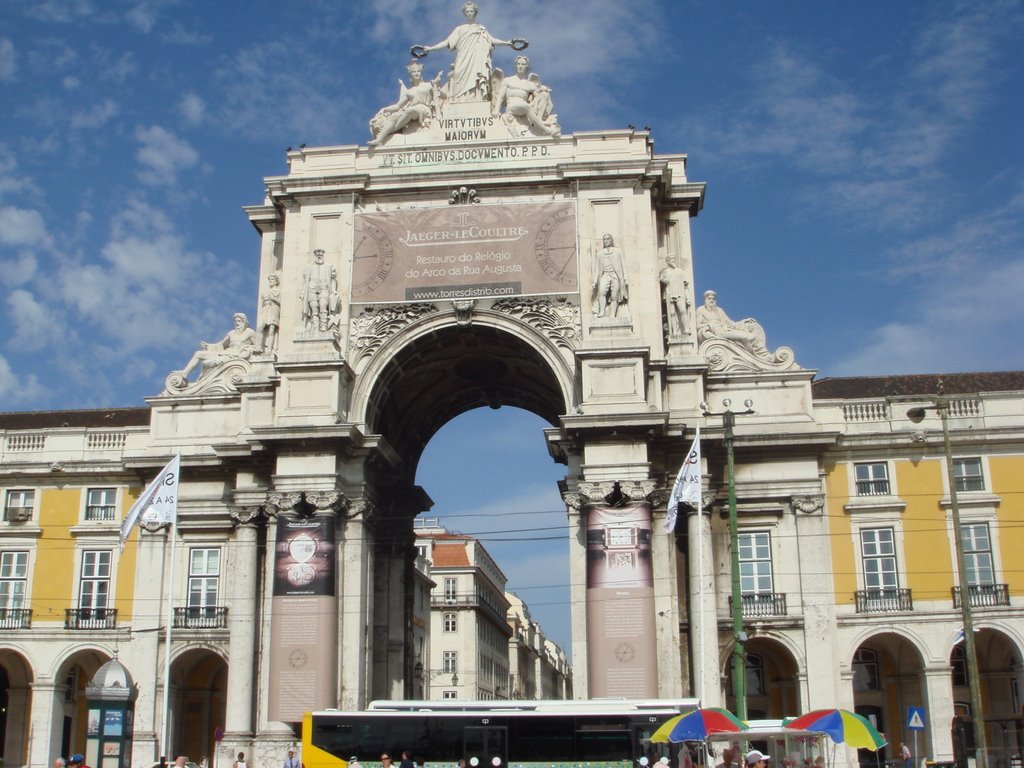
(470, 253)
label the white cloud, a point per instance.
(19, 270)
(149, 290)
(20, 226)
(63, 11)
(15, 389)
(95, 116)
(192, 108)
(8, 59)
(162, 155)
(35, 324)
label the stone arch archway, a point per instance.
(198, 702)
(16, 685)
(70, 706)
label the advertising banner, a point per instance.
(465, 252)
(621, 647)
(304, 633)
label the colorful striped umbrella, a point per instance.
(696, 725)
(842, 726)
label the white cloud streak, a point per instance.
(8, 59)
(162, 155)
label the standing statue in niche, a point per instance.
(524, 97)
(416, 104)
(673, 278)
(239, 344)
(319, 293)
(713, 323)
(270, 301)
(611, 288)
(470, 76)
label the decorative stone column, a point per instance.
(355, 595)
(577, 530)
(938, 682)
(46, 719)
(242, 625)
(702, 618)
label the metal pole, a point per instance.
(739, 655)
(973, 678)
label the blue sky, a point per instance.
(863, 164)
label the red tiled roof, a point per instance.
(450, 555)
(854, 387)
(105, 417)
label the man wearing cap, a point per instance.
(756, 759)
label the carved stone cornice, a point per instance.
(605, 491)
(363, 510)
(278, 502)
(707, 498)
(726, 356)
(372, 327)
(809, 504)
(463, 196)
(573, 501)
(322, 501)
(560, 321)
(245, 514)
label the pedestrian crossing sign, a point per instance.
(915, 718)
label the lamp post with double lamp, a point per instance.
(916, 415)
(739, 654)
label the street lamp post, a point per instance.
(739, 654)
(916, 415)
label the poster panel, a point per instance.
(304, 628)
(465, 252)
(621, 646)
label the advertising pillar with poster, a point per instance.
(621, 648)
(304, 633)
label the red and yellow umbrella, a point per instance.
(842, 726)
(696, 725)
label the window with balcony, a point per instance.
(202, 609)
(18, 505)
(967, 474)
(450, 589)
(872, 478)
(93, 593)
(881, 591)
(755, 563)
(978, 554)
(450, 662)
(13, 583)
(101, 504)
(451, 622)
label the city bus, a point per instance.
(601, 733)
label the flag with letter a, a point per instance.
(158, 503)
(687, 485)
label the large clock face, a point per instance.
(556, 247)
(372, 258)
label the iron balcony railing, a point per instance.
(762, 604)
(15, 618)
(90, 618)
(984, 595)
(201, 617)
(884, 600)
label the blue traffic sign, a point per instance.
(915, 718)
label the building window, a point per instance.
(967, 475)
(865, 670)
(978, 554)
(450, 662)
(450, 586)
(13, 580)
(872, 478)
(878, 553)
(755, 563)
(100, 503)
(203, 577)
(958, 661)
(18, 507)
(755, 675)
(94, 586)
(449, 694)
(451, 622)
